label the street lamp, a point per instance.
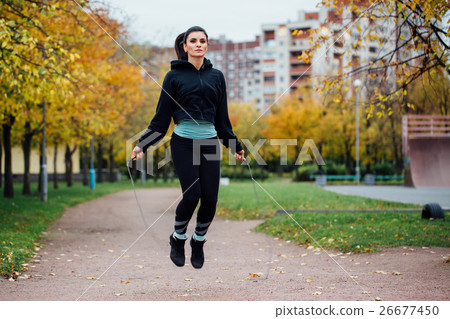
(357, 83)
(44, 176)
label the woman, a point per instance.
(194, 95)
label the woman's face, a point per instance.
(196, 44)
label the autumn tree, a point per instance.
(408, 38)
(295, 120)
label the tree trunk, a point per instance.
(41, 159)
(111, 162)
(99, 162)
(279, 170)
(348, 159)
(69, 165)
(26, 147)
(261, 173)
(55, 170)
(165, 174)
(1, 157)
(155, 165)
(9, 186)
(85, 164)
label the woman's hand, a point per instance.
(137, 153)
(240, 156)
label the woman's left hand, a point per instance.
(240, 156)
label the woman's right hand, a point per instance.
(137, 153)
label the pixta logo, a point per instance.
(146, 163)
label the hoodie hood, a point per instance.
(184, 64)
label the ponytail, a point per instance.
(179, 47)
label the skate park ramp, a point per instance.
(430, 161)
(426, 145)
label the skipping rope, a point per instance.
(129, 164)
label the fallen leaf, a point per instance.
(91, 278)
(158, 277)
(52, 274)
(395, 273)
(139, 266)
(254, 275)
(187, 279)
(365, 292)
(354, 277)
(120, 294)
(304, 255)
(101, 285)
(380, 272)
(124, 282)
(317, 293)
(378, 299)
(309, 280)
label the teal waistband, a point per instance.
(189, 129)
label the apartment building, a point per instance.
(263, 70)
(240, 64)
(282, 70)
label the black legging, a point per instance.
(204, 189)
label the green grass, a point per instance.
(359, 232)
(24, 218)
(355, 232)
(238, 200)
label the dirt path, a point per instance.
(90, 237)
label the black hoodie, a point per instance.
(189, 93)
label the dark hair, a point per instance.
(182, 37)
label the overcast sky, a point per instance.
(159, 22)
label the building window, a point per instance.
(231, 94)
(270, 44)
(231, 56)
(269, 78)
(281, 79)
(270, 66)
(269, 89)
(241, 65)
(268, 55)
(231, 65)
(231, 75)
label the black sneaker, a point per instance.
(197, 258)
(177, 251)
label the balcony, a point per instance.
(300, 69)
